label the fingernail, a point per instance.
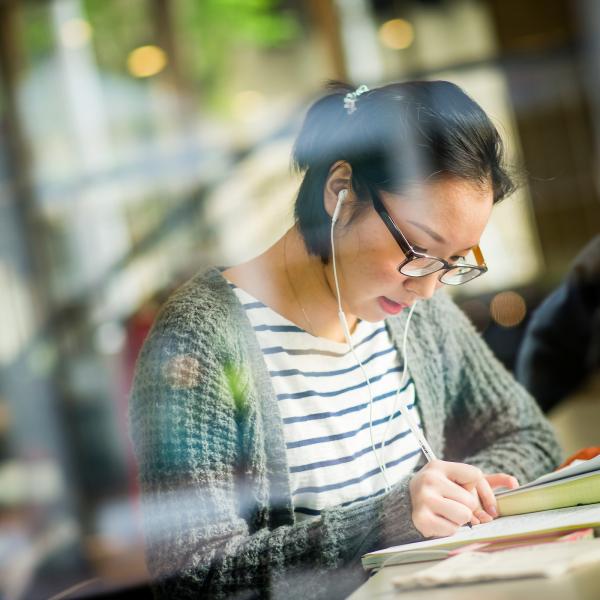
(492, 511)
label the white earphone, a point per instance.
(344, 323)
(341, 316)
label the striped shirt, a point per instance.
(324, 403)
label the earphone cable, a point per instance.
(344, 325)
(400, 386)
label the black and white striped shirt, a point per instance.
(324, 402)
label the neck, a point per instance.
(313, 289)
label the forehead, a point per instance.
(457, 209)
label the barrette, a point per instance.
(351, 97)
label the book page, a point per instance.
(547, 520)
(535, 561)
(578, 468)
(549, 484)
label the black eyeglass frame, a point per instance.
(411, 254)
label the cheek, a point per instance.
(377, 265)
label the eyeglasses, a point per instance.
(419, 264)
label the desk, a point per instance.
(583, 584)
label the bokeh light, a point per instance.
(396, 34)
(75, 33)
(146, 61)
(247, 105)
(109, 338)
(508, 309)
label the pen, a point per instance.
(423, 443)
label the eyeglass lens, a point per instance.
(421, 266)
(459, 275)
(418, 267)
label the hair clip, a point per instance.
(351, 97)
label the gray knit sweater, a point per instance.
(218, 515)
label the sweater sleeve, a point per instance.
(492, 422)
(197, 447)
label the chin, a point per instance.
(372, 316)
(373, 319)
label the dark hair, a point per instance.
(400, 134)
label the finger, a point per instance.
(497, 480)
(457, 493)
(481, 516)
(461, 473)
(455, 512)
(476, 518)
(432, 525)
(487, 498)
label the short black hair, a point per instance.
(400, 134)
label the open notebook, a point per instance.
(562, 519)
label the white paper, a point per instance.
(560, 518)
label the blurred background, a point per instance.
(142, 140)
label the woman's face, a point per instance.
(444, 219)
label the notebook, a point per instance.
(577, 484)
(502, 528)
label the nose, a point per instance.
(423, 287)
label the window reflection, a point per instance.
(143, 140)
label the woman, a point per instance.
(272, 404)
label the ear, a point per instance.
(339, 178)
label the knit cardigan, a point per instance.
(208, 436)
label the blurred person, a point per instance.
(561, 345)
(281, 406)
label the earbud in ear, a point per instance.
(341, 197)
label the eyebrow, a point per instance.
(431, 233)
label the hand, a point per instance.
(441, 503)
(483, 491)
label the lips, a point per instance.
(390, 306)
